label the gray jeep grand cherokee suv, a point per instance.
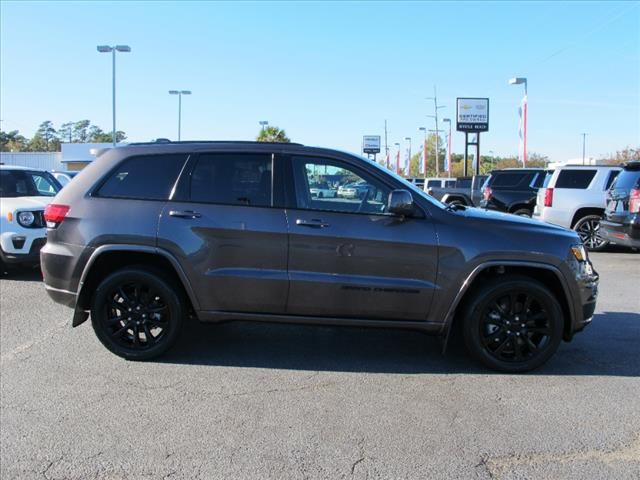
(149, 235)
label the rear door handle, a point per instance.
(184, 214)
(313, 223)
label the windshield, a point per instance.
(23, 183)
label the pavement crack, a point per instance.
(361, 456)
(45, 472)
(483, 464)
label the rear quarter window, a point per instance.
(145, 177)
(610, 179)
(511, 179)
(574, 178)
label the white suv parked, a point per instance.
(574, 196)
(24, 192)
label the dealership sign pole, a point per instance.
(472, 116)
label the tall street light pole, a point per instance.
(263, 123)
(113, 50)
(179, 93)
(523, 81)
(424, 151)
(448, 120)
(584, 143)
(407, 170)
(436, 107)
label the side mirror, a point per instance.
(400, 203)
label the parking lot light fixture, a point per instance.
(179, 93)
(523, 81)
(113, 50)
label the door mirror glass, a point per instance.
(400, 203)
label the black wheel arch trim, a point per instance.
(471, 276)
(135, 249)
(447, 197)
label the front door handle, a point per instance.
(184, 214)
(313, 223)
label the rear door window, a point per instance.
(146, 177)
(575, 178)
(233, 179)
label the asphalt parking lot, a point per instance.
(243, 400)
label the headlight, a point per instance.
(26, 219)
(579, 252)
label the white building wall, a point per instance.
(43, 160)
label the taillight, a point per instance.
(548, 197)
(634, 200)
(54, 214)
(487, 193)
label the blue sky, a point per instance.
(328, 72)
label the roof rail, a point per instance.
(213, 142)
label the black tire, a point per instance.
(588, 228)
(494, 317)
(320, 195)
(523, 212)
(137, 313)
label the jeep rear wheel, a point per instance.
(513, 324)
(588, 228)
(136, 313)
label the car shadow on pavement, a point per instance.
(608, 347)
(21, 275)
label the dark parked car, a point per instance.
(512, 190)
(150, 235)
(463, 191)
(621, 223)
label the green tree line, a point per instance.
(48, 139)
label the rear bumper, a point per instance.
(626, 234)
(63, 297)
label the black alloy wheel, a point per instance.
(136, 313)
(514, 324)
(588, 229)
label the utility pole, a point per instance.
(436, 107)
(584, 142)
(386, 147)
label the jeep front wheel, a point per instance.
(513, 324)
(136, 313)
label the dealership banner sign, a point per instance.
(371, 144)
(472, 114)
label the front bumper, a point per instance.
(30, 258)
(588, 282)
